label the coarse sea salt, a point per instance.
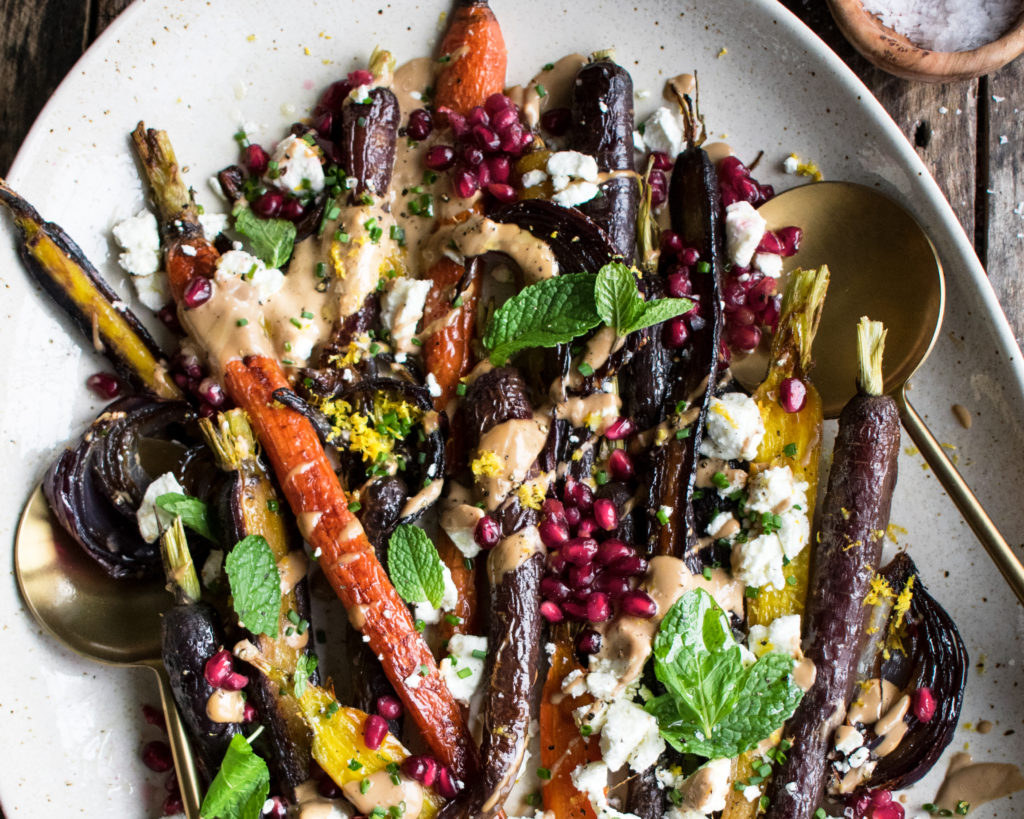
(947, 25)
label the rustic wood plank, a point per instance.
(1005, 203)
(947, 142)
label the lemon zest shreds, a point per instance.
(810, 168)
(880, 591)
(487, 464)
(531, 495)
(373, 435)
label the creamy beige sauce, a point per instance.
(457, 515)
(875, 699)
(512, 552)
(516, 443)
(601, 346)
(423, 499)
(292, 568)
(707, 468)
(225, 706)
(717, 151)
(627, 640)
(478, 235)
(557, 83)
(804, 673)
(681, 85)
(977, 782)
(596, 411)
(383, 793)
(311, 805)
(963, 415)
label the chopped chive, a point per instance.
(706, 572)
(479, 654)
(751, 592)
(296, 322)
(342, 237)
(585, 369)
(398, 234)
(354, 764)
(703, 267)
(548, 67)
(464, 672)
(242, 322)
(364, 786)
(334, 212)
(321, 270)
(682, 434)
(333, 708)
(543, 773)
(789, 450)
(453, 619)
(460, 389)
(273, 505)
(541, 90)
(355, 506)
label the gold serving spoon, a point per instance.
(883, 266)
(116, 622)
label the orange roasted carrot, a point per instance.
(312, 488)
(448, 353)
(473, 58)
(464, 577)
(562, 748)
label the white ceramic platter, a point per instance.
(71, 730)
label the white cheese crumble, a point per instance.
(758, 562)
(426, 612)
(531, 179)
(849, 741)
(453, 667)
(213, 224)
(151, 518)
(574, 177)
(859, 757)
(266, 280)
(630, 735)
(298, 166)
(459, 522)
(139, 238)
(775, 490)
(592, 780)
(663, 131)
(734, 428)
(212, 566)
(604, 675)
(791, 163)
(401, 308)
(413, 680)
(781, 635)
(744, 228)
(769, 263)
(433, 388)
(718, 523)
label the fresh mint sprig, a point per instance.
(714, 706)
(255, 585)
(272, 240)
(415, 567)
(192, 511)
(241, 786)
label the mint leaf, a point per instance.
(617, 297)
(192, 512)
(272, 240)
(550, 312)
(255, 585)
(657, 311)
(304, 668)
(714, 706)
(415, 566)
(241, 785)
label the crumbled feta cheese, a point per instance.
(734, 428)
(401, 308)
(775, 490)
(575, 193)
(426, 612)
(213, 224)
(266, 280)
(604, 676)
(744, 228)
(139, 238)
(413, 680)
(433, 388)
(794, 533)
(532, 179)
(791, 163)
(211, 567)
(735, 480)
(663, 131)
(298, 165)
(153, 291)
(361, 93)
(769, 263)
(859, 757)
(453, 667)
(574, 683)
(751, 792)
(459, 522)
(188, 250)
(573, 176)
(638, 142)
(630, 735)
(782, 635)
(848, 739)
(151, 518)
(592, 780)
(758, 562)
(723, 525)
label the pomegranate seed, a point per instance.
(499, 167)
(447, 785)
(503, 121)
(234, 682)
(580, 550)
(638, 603)
(614, 587)
(328, 788)
(181, 380)
(218, 668)
(487, 532)
(619, 428)
(770, 243)
(420, 124)
(483, 175)
(552, 588)
(269, 204)
(169, 316)
(552, 534)
(689, 257)
(745, 337)
(679, 285)
(277, 810)
(249, 712)
(742, 316)
(557, 562)
(586, 528)
(572, 516)
(556, 121)
(734, 294)
(598, 608)
(581, 578)
(334, 96)
(323, 125)
(792, 394)
(551, 612)
(659, 188)
(465, 184)
(582, 495)
(105, 385)
(206, 411)
(389, 707)
(497, 102)
(761, 293)
(611, 550)
(511, 140)
(458, 122)
(553, 509)
(154, 716)
(502, 192)
(676, 333)
(292, 210)
(256, 159)
(632, 566)
(198, 292)
(790, 237)
(421, 768)
(924, 704)
(878, 798)
(210, 391)
(605, 514)
(439, 158)
(892, 810)
(770, 315)
(671, 243)
(487, 139)
(173, 805)
(589, 642)
(156, 756)
(360, 77)
(478, 116)
(374, 731)
(620, 465)
(662, 161)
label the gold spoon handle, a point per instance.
(971, 509)
(181, 750)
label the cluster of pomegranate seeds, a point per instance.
(737, 185)
(487, 141)
(190, 376)
(682, 263)
(156, 756)
(219, 672)
(588, 571)
(876, 805)
(556, 121)
(106, 385)
(431, 774)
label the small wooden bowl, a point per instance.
(894, 53)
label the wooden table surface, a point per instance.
(970, 134)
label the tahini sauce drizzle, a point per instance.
(557, 82)
(977, 782)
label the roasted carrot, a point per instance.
(562, 748)
(448, 352)
(473, 58)
(313, 491)
(464, 576)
